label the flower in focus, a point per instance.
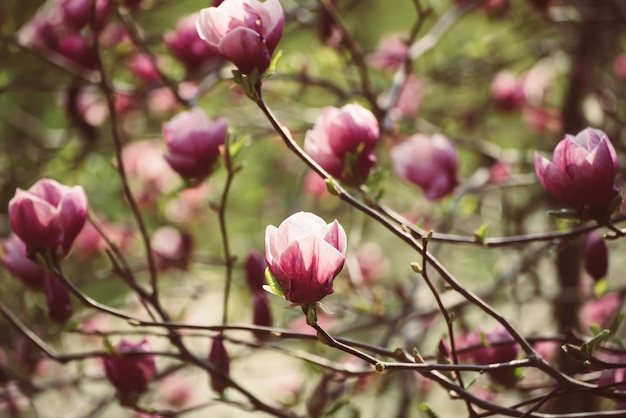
(14, 259)
(343, 141)
(186, 45)
(48, 216)
(429, 162)
(582, 172)
(193, 141)
(304, 254)
(130, 374)
(219, 357)
(596, 256)
(246, 32)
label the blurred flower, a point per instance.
(304, 254)
(58, 299)
(582, 172)
(130, 374)
(76, 14)
(314, 185)
(619, 66)
(391, 53)
(142, 67)
(372, 261)
(499, 172)
(600, 311)
(193, 141)
(188, 204)
(75, 47)
(328, 31)
(48, 216)
(495, 8)
(408, 100)
(245, 32)
(220, 359)
(14, 259)
(542, 119)
(507, 91)
(177, 390)
(186, 45)
(493, 351)
(149, 174)
(261, 314)
(429, 162)
(343, 141)
(171, 247)
(255, 271)
(596, 256)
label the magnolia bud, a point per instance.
(218, 356)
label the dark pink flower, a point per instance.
(582, 172)
(129, 373)
(48, 216)
(343, 141)
(261, 314)
(305, 254)
(255, 271)
(74, 47)
(220, 359)
(143, 68)
(494, 350)
(429, 162)
(15, 260)
(596, 256)
(77, 13)
(246, 32)
(193, 141)
(58, 299)
(600, 311)
(186, 45)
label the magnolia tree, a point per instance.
(430, 258)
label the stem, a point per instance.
(228, 257)
(107, 89)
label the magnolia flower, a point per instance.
(343, 141)
(429, 162)
(186, 45)
(193, 141)
(304, 254)
(48, 216)
(582, 172)
(246, 32)
(15, 260)
(130, 374)
(596, 256)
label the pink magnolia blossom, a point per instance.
(48, 216)
(304, 254)
(582, 172)
(343, 141)
(429, 162)
(246, 32)
(600, 311)
(15, 260)
(186, 45)
(391, 53)
(130, 374)
(193, 141)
